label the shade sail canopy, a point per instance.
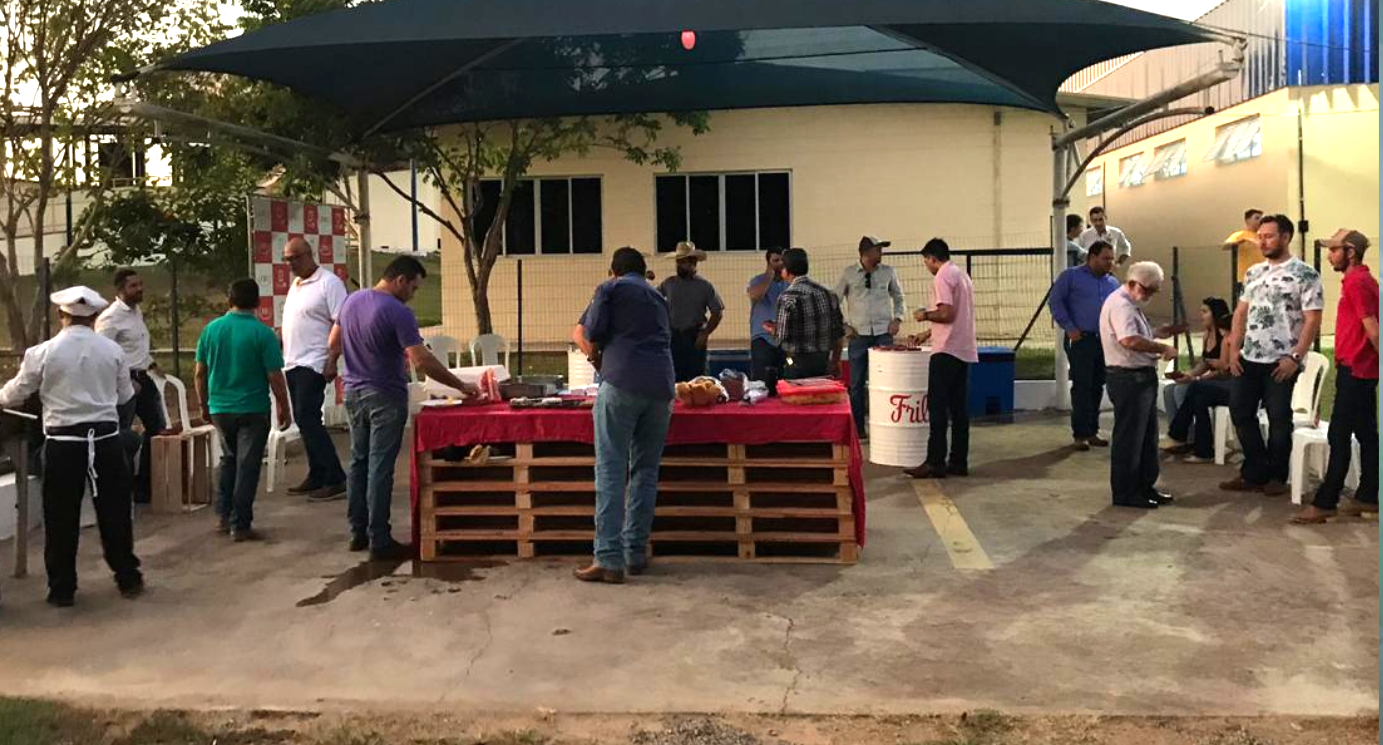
(402, 64)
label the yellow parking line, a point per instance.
(965, 550)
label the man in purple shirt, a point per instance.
(629, 329)
(378, 335)
(1076, 299)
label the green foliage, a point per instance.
(36, 722)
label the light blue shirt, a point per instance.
(766, 308)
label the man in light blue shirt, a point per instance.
(1076, 299)
(766, 359)
(873, 304)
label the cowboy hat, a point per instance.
(687, 250)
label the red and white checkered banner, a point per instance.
(273, 222)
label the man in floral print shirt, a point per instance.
(1276, 321)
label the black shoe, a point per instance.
(958, 471)
(393, 551)
(329, 493)
(635, 570)
(61, 601)
(308, 485)
(926, 471)
(1160, 497)
(132, 588)
(359, 543)
(1142, 504)
(223, 525)
(248, 534)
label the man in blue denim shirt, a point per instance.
(1076, 299)
(630, 330)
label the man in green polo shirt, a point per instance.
(238, 363)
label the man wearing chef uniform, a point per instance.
(81, 377)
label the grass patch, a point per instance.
(165, 728)
(980, 727)
(31, 722)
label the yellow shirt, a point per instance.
(1246, 244)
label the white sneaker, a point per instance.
(1196, 459)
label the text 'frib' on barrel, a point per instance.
(898, 406)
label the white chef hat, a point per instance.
(78, 301)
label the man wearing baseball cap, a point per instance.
(1355, 415)
(81, 377)
(872, 300)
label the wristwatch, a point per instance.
(1295, 357)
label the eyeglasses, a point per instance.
(1147, 289)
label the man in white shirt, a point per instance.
(872, 300)
(123, 323)
(1100, 230)
(309, 312)
(81, 378)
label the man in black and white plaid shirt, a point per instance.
(808, 326)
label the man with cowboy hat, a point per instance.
(81, 378)
(696, 311)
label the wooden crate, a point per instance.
(181, 471)
(779, 503)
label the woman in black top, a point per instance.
(1206, 386)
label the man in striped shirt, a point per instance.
(808, 326)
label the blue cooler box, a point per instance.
(991, 383)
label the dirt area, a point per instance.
(32, 722)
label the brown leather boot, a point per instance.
(598, 573)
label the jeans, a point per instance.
(377, 423)
(1133, 466)
(766, 363)
(688, 360)
(306, 390)
(243, 437)
(1263, 463)
(859, 374)
(64, 485)
(1173, 397)
(1355, 417)
(807, 365)
(1195, 413)
(948, 406)
(148, 406)
(629, 434)
(1087, 384)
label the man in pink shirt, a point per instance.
(953, 351)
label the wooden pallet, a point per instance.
(786, 502)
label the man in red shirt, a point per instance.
(1356, 384)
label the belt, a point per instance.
(86, 433)
(1115, 368)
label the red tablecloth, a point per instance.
(768, 422)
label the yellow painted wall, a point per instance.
(1198, 210)
(903, 172)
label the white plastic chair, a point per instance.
(1314, 442)
(446, 349)
(1306, 404)
(163, 382)
(276, 450)
(485, 350)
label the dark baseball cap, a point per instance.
(870, 241)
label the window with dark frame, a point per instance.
(747, 211)
(547, 216)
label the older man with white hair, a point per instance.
(1131, 352)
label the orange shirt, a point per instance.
(1246, 244)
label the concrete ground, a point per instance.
(1215, 606)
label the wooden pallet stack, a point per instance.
(784, 502)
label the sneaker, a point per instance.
(1196, 459)
(1097, 442)
(1167, 443)
(1080, 443)
(306, 487)
(328, 493)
